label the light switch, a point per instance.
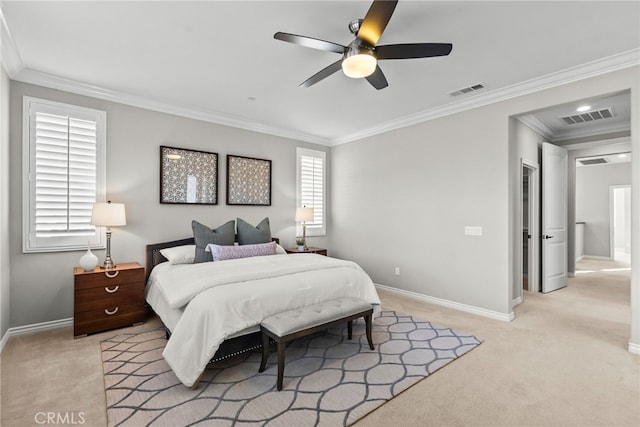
(472, 230)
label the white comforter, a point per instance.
(219, 299)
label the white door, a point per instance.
(554, 217)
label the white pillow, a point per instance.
(280, 250)
(180, 254)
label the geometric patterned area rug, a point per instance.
(328, 379)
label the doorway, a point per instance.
(530, 223)
(620, 222)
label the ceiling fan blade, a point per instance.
(413, 50)
(322, 74)
(310, 42)
(376, 21)
(377, 79)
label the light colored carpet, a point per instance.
(562, 362)
(329, 380)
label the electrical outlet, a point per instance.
(397, 271)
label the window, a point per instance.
(63, 168)
(311, 186)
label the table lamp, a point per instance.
(303, 215)
(108, 215)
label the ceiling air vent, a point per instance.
(589, 116)
(467, 89)
(598, 161)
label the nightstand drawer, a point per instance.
(89, 322)
(108, 278)
(107, 297)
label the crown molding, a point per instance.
(591, 69)
(27, 75)
(13, 64)
(539, 127)
(9, 55)
(535, 124)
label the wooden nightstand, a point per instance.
(310, 250)
(108, 299)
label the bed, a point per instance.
(213, 310)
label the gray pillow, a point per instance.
(224, 235)
(250, 235)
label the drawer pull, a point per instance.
(112, 312)
(112, 275)
(110, 291)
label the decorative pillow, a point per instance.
(203, 235)
(180, 254)
(250, 235)
(221, 253)
(280, 250)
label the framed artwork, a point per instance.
(188, 176)
(248, 181)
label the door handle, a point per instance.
(547, 236)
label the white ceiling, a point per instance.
(219, 61)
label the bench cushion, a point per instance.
(292, 321)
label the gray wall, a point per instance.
(592, 203)
(4, 202)
(396, 199)
(404, 197)
(599, 148)
(42, 284)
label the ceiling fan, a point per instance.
(360, 57)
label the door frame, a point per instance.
(534, 228)
(612, 188)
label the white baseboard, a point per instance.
(30, 329)
(451, 304)
(517, 301)
(595, 257)
(634, 348)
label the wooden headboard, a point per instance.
(153, 256)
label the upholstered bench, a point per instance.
(288, 325)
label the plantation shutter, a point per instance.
(311, 182)
(64, 175)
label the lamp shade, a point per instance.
(108, 214)
(304, 214)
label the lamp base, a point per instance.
(108, 264)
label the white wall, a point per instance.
(4, 203)
(592, 203)
(42, 284)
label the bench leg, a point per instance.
(367, 321)
(265, 352)
(281, 348)
(350, 329)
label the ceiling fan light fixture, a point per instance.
(358, 63)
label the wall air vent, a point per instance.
(467, 89)
(597, 161)
(589, 116)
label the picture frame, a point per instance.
(248, 181)
(188, 176)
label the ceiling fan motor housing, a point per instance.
(354, 26)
